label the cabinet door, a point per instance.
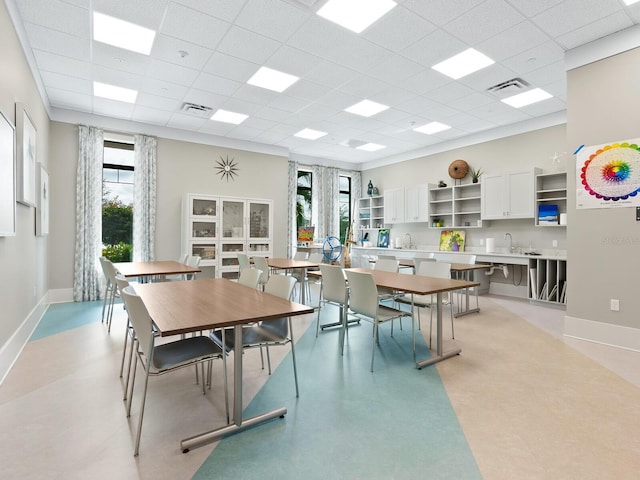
(417, 204)
(233, 223)
(520, 194)
(259, 219)
(493, 197)
(394, 205)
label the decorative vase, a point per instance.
(370, 188)
(474, 180)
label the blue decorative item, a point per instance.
(332, 249)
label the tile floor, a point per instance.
(531, 403)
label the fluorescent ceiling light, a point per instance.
(433, 127)
(114, 93)
(355, 15)
(371, 147)
(229, 117)
(366, 108)
(463, 64)
(630, 2)
(272, 79)
(527, 98)
(310, 134)
(121, 34)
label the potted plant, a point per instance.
(475, 174)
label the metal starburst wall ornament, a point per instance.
(227, 168)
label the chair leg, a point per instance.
(293, 358)
(268, 358)
(144, 397)
(133, 381)
(126, 381)
(104, 300)
(124, 348)
(375, 338)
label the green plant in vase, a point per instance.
(475, 174)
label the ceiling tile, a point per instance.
(70, 100)
(535, 58)
(48, 40)
(56, 15)
(150, 115)
(65, 82)
(170, 50)
(193, 26)
(51, 62)
(224, 9)
(247, 45)
(173, 73)
(279, 23)
(484, 21)
(398, 29)
(215, 84)
(529, 8)
(233, 68)
(441, 12)
(434, 48)
(513, 40)
(572, 14)
(598, 29)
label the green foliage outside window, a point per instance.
(117, 221)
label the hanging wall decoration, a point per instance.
(26, 141)
(608, 175)
(458, 169)
(227, 168)
(7, 177)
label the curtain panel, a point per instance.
(144, 198)
(87, 274)
(292, 231)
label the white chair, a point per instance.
(243, 261)
(107, 287)
(467, 259)
(388, 265)
(192, 261)
(250, 277)
(297, 273)
(386, 257)
(438, 270)
(161, 359)
(267, 333)
(301, 255)
(420, 257)
(111, 291)
(364, 303)
(262, 264)
(334, 291)
(181, 259)
(123, 283)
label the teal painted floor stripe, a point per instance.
(61, 317)
(395, 423)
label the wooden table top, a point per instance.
(195, 305)
(160, 267)
(288, 263)
(415, 283)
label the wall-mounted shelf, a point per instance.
(458, 206)
(551, 189)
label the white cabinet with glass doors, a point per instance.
(200, 215)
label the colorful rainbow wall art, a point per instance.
(608, 175)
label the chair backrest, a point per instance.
(300, 255)
(243, 261)
(193, 260)
(334, 283)
(140, 319)
(183, 258)
(121, 282)
(249, 277)
(443, 257)
(262, 265)
(363, 293)
(110, 270)
(435, 269)
(387, 257)
(465, 258)
(387, 265)
(280, 286)
(422, 257)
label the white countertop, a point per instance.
(481, 254)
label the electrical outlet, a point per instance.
(554, 243)
(615, 305)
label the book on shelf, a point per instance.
(533, 278)
(547, 214)
(553, 292)
(563, 294)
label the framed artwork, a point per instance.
(452, 240)
(26, 140)
(7, 177)
(42, 208)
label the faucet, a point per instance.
(508, 235)
(409, 244)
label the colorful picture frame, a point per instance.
(26, 136)
(7, 177)
(452, 240)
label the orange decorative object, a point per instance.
(458, 169)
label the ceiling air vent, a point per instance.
(508, 88)
(196, 110)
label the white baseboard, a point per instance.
(60, 295)
(11, 350)
(604, 333)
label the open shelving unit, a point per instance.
(551, 189)
(458, 206)
(370, 216)
(548, 281)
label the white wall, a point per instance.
(23, 258)
(603, 100)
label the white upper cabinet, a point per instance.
(416, 205)
(394, 206)
(509, 195)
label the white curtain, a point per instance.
(325, 196)
(317, 202)
(87, 274)
(292, 233)
(144, 198)
(356, 193)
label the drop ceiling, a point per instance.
(206, 50)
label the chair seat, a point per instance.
(184, 351)
(422, 301)
(387, 313)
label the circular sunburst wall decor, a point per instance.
(227, 168)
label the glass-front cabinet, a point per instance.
(218, 228)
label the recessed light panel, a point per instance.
(527, 98)
(355, 15)
(114, 93)
(121, 34)
(310, 134)
(433, 127)
(272, 79)
(366, 108)
(463, 64)
(371, 147)
(630, 2)
(229, 117)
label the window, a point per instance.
(345, 207)
(303, 200)
(117, 201)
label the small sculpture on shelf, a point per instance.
(370, 188)
(441, 184)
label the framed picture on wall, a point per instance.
(26, 141)
(7, 177)
(42, 208)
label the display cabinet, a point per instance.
(394, 202)
(200, 227)
(458, 206)
(508, 195)
(551, 189)
(370, 217)
(416, 205)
